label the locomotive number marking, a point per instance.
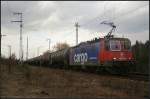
(81, 57)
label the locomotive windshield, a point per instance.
(117, 44)
(126, 44)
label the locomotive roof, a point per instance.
(97, 40)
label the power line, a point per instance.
(115, 18)
(9, 9)
(131, 11)
(99, 15)
(122, 15)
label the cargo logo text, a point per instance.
(81, 57)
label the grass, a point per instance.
(25, 80)
(128, 86)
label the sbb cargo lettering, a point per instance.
(81, 57)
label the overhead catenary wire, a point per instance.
(115, 18)
(9, 9)
(100, 18)
(131, 11)
(72, 33)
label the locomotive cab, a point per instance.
(117, 51)
(117, 45)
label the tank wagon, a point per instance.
(60, 57)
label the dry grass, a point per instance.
(44, 82)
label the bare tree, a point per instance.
(60, 46)
(13, 56)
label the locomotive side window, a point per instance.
(115, 45)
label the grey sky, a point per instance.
(55, 20)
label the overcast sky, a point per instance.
(56, 19)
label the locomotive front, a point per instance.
(117, 52)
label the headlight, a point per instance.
(114, 58)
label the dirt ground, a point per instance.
(31, 81)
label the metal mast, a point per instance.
(27, 49)
(21, 49)
(0, 42)
(9, 46)
(49, 43)
(38, 50)
(77, 26)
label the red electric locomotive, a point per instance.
(116, 49)
(109, 53)
(116, 52)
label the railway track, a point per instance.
(138, 76)
(131, 75)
